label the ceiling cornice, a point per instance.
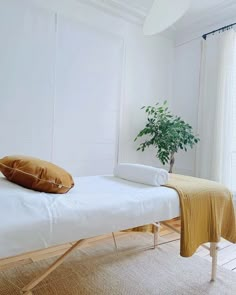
(132, 13)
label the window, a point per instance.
(233, 153)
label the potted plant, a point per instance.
(166, 132)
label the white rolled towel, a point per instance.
(142, 174)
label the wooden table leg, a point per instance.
(157, 227)
(213, 253)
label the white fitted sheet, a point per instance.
(96, 205)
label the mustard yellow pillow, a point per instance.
(36, 174)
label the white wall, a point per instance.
(146, 78)
(26, 79)
(185, 96)
(62, 81)
(88, 76)
(147, 72)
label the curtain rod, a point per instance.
(220, 29)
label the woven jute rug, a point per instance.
(97, 269)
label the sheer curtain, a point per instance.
(217, 110)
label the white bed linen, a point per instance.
(96, 205)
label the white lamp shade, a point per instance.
(163, 14)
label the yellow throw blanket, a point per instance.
(207, 212)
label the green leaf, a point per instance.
(165, 132)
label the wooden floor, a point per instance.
(226, 254)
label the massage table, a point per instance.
(96, 205)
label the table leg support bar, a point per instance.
(27, 289)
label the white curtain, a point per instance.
(216, 104)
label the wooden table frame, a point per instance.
(27, 290)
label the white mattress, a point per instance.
(96, 205)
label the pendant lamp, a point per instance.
(163, 14)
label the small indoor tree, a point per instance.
(166, 132)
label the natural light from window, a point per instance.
(233, 154)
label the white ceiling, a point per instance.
(208, 12)
(202, 13)
(203, 17)
(197, 6)
(204, 10)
